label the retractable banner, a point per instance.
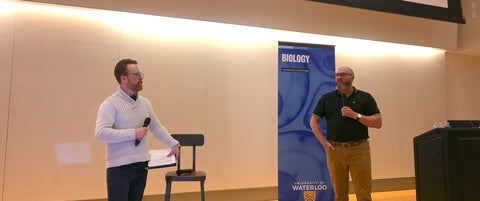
(305, 73)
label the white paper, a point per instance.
(159, 158)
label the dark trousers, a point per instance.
(127, 182)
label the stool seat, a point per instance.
(193, 176)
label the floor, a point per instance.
(395, 189)
(405, 195)
(268, 194)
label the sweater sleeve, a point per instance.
(104, 130)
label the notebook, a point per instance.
(159, 159)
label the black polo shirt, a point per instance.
(345, 129)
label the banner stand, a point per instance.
(305, 73)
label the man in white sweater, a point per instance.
(121, 124)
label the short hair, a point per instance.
(121, 68)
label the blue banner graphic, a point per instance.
(305, 73)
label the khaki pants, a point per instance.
(356, 160)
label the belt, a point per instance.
(348, 144)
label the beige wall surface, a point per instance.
(219, 84)
(242, 114)
(402, 87)
(57, 80)
(6, 47)
(468, 40)
(294, 15)
(463, 96)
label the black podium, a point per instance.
(447, 164)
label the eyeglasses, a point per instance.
(138, 75)
(342, 74)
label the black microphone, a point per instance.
(145, 124)
(186, 171)
(344, 101)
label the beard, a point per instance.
(136, 87)
(344, 85)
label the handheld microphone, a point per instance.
(186, 171)
(145, 124)
(344, 101)
(344, 98)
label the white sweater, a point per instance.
(117, 118)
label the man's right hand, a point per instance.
(141, 132)
(327, 146)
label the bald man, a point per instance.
(349, 113)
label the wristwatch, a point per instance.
(359, 116)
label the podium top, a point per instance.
(447, 134)
(464, 123)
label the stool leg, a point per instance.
(202, 189)
(168, 190)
